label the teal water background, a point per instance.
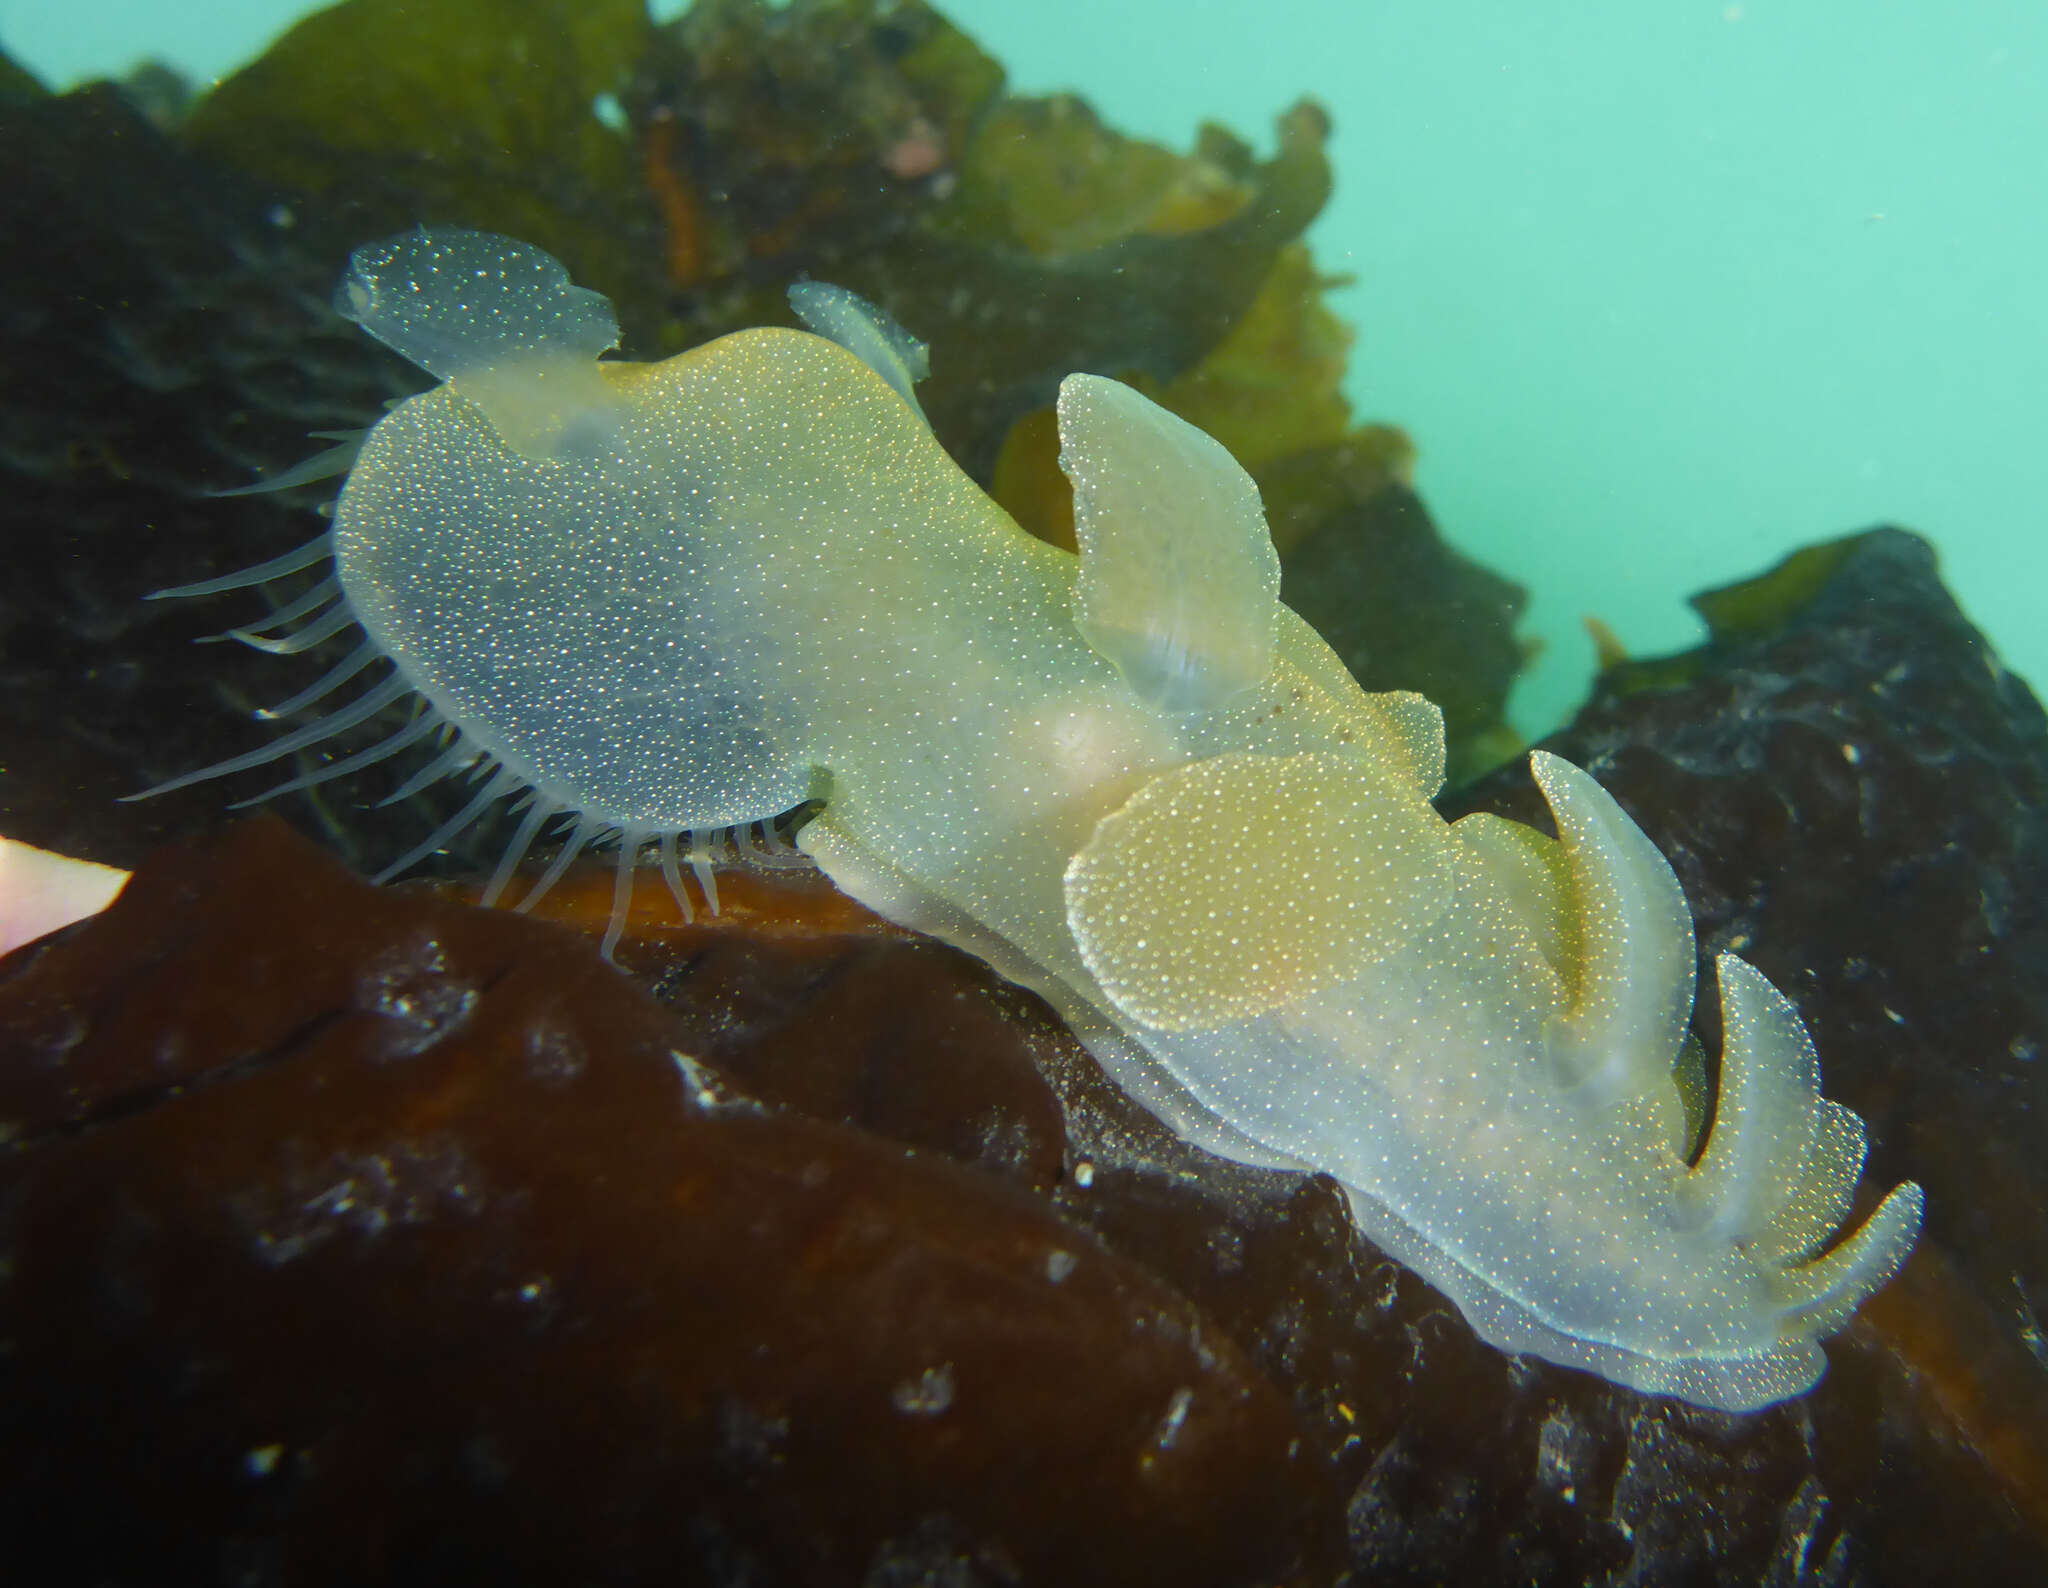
(1661, 289)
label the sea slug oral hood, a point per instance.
(660, 600)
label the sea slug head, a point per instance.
(498, 319)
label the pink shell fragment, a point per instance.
(40, 892)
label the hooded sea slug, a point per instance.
(661, 600)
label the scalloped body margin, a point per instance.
(671, 597)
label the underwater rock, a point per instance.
(166, 334)
(897, 1034)
(1854, 793)
(18, 85)
(353, 1234)
(384, 113)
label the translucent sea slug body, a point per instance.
(673, 597)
